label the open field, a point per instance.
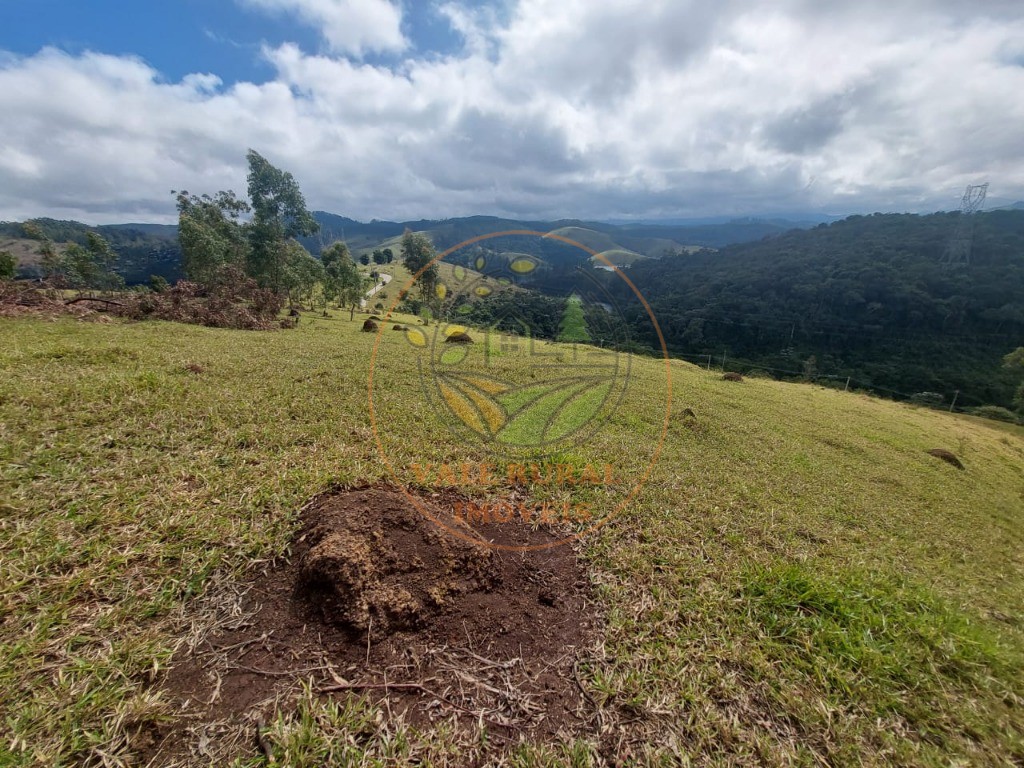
(798, 582)
(26, 252)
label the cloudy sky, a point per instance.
(600, 109)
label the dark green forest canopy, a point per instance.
(872, 297)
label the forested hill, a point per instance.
(142, 249)
(871, 297)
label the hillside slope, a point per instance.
(798, 581)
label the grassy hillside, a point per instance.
(799, 582)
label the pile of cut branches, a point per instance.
(231, 300)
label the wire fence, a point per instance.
(957, 402)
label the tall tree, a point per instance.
(50, 263)
(91, 266)
(343, 280)
(211, 234)
(302, 273)
(418, 254)
(279, 214)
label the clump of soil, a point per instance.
(376, 599)
(370, 559)
(459, 338)
(947, 456)
(370, 326)
(732, 376)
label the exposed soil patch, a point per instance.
(377, 600)
(368, 559)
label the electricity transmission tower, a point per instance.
(959, 247)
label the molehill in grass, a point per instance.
(947, 456)
(459, 338)
(393, 567)
(731, 376)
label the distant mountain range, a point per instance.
(148, 249)
(152, 249)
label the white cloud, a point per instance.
(602, 108)
(348, 26)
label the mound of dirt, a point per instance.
(370, 326)
(459, 338)
(731, 376)
(947, 456)
(373, 560)
(378, 600)
(399, 328)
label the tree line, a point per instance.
(872, 297)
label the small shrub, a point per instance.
(994, 412)
(8, 265)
